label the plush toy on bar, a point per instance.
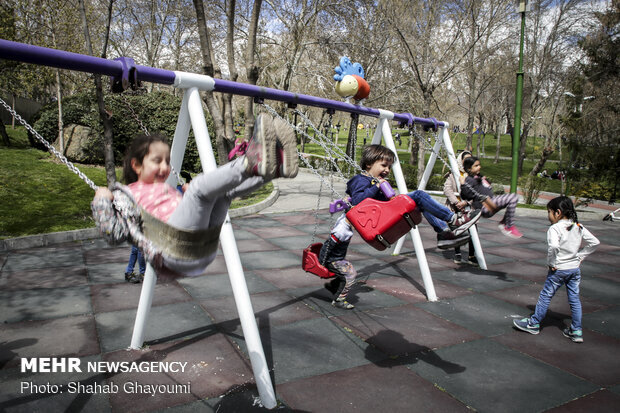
(350, 82)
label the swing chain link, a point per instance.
(49, 146)
(429, 145)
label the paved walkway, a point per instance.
(394, 352)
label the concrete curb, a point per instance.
(253, 209)
(42, 240)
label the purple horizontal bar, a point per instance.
(73, 61)
(244, 89)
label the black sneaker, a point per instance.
(471, 260)
(447, 240)
(457, 258)
(463, 223)
(342, 303)
(133, 278)
(576, 336)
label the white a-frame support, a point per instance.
(383, 131)
(443, 139)
(192, 114)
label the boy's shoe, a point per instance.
(133, 278)
(576, 335)
(458, 258)
(525, 325)
(511, 232)
(447, 240)
(260, 155)
(471, 260)
(286, 148)
(463, 223)
(342, 303)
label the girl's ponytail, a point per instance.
(566, 207)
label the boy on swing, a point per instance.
(376, 163)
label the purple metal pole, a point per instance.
(114, 68)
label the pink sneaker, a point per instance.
(238, 150)
(286, 149)
(260, 154)
(511, 232)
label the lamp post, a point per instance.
(516, 133)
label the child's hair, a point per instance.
(469, 162)
(138, 149)
(565, 206)
(374, 153)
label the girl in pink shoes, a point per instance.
(478, 189)
(271, 152)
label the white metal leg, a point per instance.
(144, 307)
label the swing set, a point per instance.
(379, 223)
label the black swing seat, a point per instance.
(180, 243)
(381, 223)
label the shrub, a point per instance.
(158, 111)
(531, 187)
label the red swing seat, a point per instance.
(310, 262)
(381, 223)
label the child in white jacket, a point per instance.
(564, 239)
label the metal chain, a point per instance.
(49, 147)
(146, 132)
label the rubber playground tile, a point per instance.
(43, 304)
(496, 378)
(364, 298)
(257, 221)
(611, 276)
(108, 255)
(476, 279)
(47, 258)
(95, 244)
(492, 259)
(594, 360)
(291, 277)
(596, 268)
(403, 330)
(164, 323)
(252, 245)
(272, 308)
(370, 389)
(243, 234)
(310, 348)
(605, 321)
(112, 272)
(601, 401)
(516, 253)
(280, 231)
(213, 368)
(18, 391)
(526, 297)
(480, 313)
(523, 270)
(599, 289)
(61, 337)
(411, 290)
(269, 259)
(44, 278)
(495, 238)
(298, 243)
(114, 297)
(615, 389)
(376, 268)
(218, 285)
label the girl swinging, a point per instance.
(270, 153)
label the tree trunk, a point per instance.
(61, 125)
(352, 140)
(4, 135)
(251, 68)
(498, 136)
(546, 153)
(522, 144)
(108, 133)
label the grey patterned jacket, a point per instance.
(119, 220)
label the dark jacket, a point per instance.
(477, 189)
(361, 187)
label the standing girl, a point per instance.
(271, 152)
(478, 189)
(564, 239)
